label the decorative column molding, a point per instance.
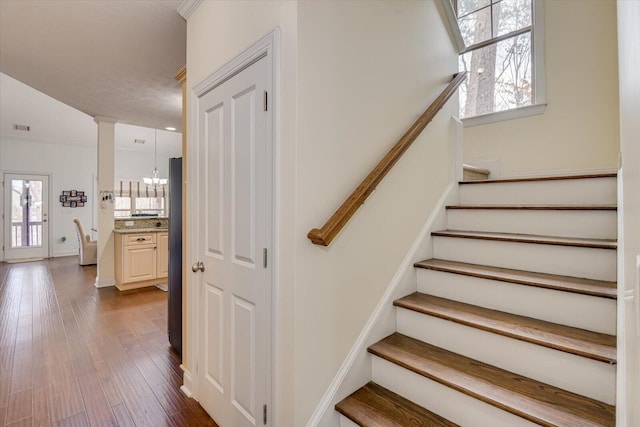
(106, 165)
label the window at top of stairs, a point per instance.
(500, 44)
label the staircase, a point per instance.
(514, 319)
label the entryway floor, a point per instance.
(74, 355)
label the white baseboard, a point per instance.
(104, 283)
(187, 385)
(382, 321)
(66, 253)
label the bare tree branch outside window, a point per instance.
(499, 71)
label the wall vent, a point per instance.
(21, 127)
(139, 141)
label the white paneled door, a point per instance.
(26, 217)
(234, 235)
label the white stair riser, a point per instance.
(588, 263)
(568, 371)
(346, 422)
(566, 308)
(444, 401)
(585, 223)
(593, 191)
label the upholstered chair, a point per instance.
(88, 248)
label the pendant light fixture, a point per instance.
(155, 181)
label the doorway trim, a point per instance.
(49, 176)
(267, 47)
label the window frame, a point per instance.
(536, 30)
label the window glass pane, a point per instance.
(150, 205)
(467, 6)
(511, 15)
(122, 203)
(476, 27)
(499, 77)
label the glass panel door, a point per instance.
(27, 228)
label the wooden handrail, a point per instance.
(332, 227)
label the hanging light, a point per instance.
(155, 181)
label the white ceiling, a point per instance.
(51, 121)
(112, 58)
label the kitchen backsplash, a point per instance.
(121, 223)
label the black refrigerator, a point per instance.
(175, 254)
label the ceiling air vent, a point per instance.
(138, 141)
(21, 127)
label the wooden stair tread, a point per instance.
(539, 207)
(543, 178)
(530, 238)
(589, 344)
(535, 401)
(374, 405)
(599, 288)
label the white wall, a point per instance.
(71, 168)
(629, 325)
(366, 70)
(354, 75)
(579, 129)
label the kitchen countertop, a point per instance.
(139, 230)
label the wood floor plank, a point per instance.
(40, 408)
(98, 409)
(25, 422)
(86, 356)
(122, 416)
(597, 288)
(593, 345)
(19, 406)
(530, 238)
(76, 420)
(535, 401)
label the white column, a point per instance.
(106, 155)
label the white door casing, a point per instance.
(234, 232)
(27, 196)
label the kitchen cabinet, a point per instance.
(141, 259)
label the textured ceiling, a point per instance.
(112, 58)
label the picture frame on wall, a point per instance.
(74, 204)
(63, 198)
(80, 204)
(66, 193)
(66, 204)
(83, 199)
(74, 193)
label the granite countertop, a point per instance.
(139, 230)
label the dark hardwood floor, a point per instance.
(74, 355)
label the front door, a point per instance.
(234, 235)
(26, 216)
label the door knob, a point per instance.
(197, 266)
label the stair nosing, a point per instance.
(529, 238)
(535, 207)
(501, 397)
(521, 277)
(378, 391)
(541, 178)
(492, 321)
